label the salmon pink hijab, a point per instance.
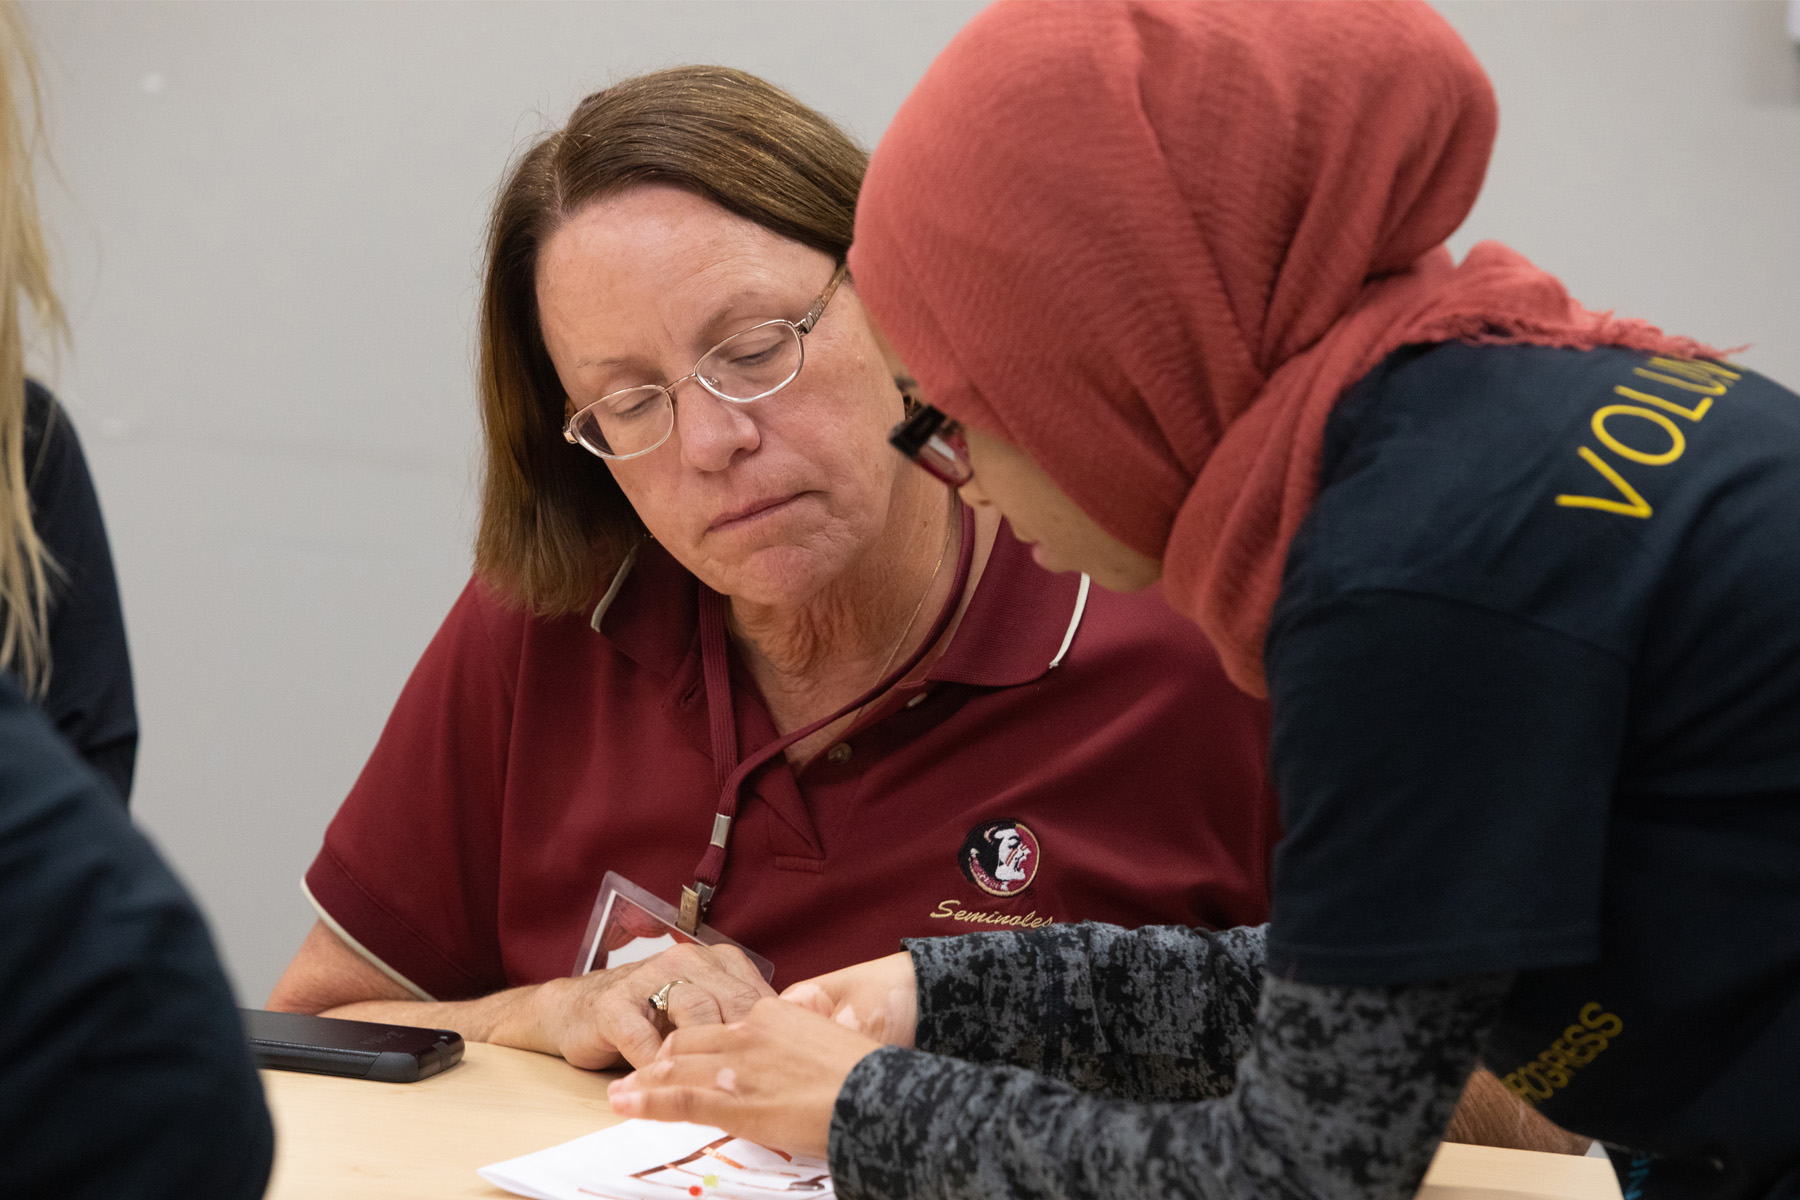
(1151, 244)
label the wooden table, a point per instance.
(348, 1139)
(345, 1139)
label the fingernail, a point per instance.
(624, 1083)
(846, 1016)
(627, 1103)
(727, 1079)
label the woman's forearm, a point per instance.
(329, 978)
(592, 1020)
(508, 1018)
(1156, 1013)
(1344, 1093)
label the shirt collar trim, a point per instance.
(1020, 623)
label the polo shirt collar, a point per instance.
(651, 611)
(1017, 624)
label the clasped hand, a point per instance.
(773, 1076)
(596, 1019)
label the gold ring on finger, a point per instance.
(660, 999)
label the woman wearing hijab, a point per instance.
(1518, 579)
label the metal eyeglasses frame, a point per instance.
(800, 328)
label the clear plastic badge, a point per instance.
(630, 924)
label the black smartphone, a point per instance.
(359, 1049)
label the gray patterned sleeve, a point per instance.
(1160, 1013)
(1342, 1095)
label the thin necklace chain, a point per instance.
(943, 553)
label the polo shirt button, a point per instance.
(839, 753)
(916, 700)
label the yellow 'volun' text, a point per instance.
(1706, 379)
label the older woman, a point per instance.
(1519, 578)
(723, 644)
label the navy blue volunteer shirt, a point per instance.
(90, 697)
(123, 1066)
(1535, 671)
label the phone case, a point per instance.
(357, 1049)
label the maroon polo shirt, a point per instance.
(526, 758)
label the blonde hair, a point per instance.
(26, 568)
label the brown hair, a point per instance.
(554, 525)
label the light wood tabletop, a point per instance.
(346, 1139)
(349, 1139)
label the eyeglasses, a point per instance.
(934, 442)
(751, 365)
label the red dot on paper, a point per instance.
(694, 1190)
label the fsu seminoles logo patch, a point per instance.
(1000, 857)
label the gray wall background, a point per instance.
(268, 222)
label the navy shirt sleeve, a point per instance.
(123, 1065)
(1445, 774)
(90, 698)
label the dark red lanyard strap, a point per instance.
(715, 659)
(716, 668)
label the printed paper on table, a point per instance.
(650, 1160)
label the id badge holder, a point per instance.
(629, 925)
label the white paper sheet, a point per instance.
(651, 1160)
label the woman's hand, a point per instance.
(593, 1020)
(878, 998)
(772, 1077)
(596, 1019)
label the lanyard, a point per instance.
(716, 667)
